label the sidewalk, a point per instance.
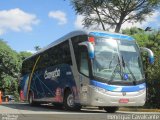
(138, 109)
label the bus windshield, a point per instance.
(117, 60)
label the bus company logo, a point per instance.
(124, 93)
(52, 75)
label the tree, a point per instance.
(9, 61)
(37, 48)
(113, 12)
(10, 65)
(23, 55)
(152, 72)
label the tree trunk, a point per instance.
(118, 27)
(100, 19)
(119, 24)
(102, 23)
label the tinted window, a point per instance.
(75, 41)
(84, 63)
(59, 54)
(28, 65)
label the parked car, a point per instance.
(9, 97)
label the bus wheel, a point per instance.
(69, 103)
(111, 109)
(30, 100)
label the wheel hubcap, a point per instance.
(70, 100)
(30, 99)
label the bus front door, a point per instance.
(84, 74)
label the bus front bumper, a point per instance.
(100, 97)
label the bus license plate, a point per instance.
(123, 100)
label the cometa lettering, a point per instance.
(52, 75)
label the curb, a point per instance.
(129, 109)
(139, 110)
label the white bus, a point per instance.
(86, 68)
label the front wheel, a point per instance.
(111, 109)
(69, 103)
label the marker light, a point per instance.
(91, 39)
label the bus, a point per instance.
(86, 68)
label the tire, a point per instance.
(69, 103)
(111, 109)
(31, 101)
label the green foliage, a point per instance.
(10, 65)
(150, 40)
(9, 68)
(113, 13)
(9, 61)
(23, 55)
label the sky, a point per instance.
(25, 24)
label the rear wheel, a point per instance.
(69, 103)
(111, 109)
(31, 100)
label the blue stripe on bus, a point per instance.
(116, 36)
(115, 88)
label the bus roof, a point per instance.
(83, 32)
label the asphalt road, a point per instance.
(23, 111)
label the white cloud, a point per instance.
(149, 19)
(31, 51)
(16, 20)
(59, 15)
(153, 19)
(130, 24)
(78, 22)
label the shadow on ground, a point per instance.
(47, 108)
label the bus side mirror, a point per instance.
(150, 54)
(90, 48)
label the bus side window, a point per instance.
(83, 66)
(75, 41)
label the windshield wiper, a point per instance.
(114, 71)
(125, 65)
(112, 60)
(121, 71)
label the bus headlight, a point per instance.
(98, 89)
(142, 91)
(101, 90)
